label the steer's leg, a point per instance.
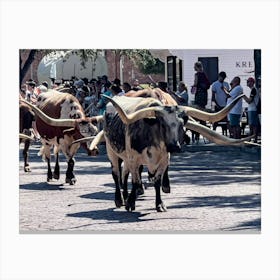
(136, 184)
(165, 182)
(140, 188)
(119, 201)
(160, 207)
(46, 153)
(49, 176)
(56, 168)
(124, 180)
(70, 177)
(25, 155)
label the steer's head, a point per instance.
(171, 121)
(84, 126)
(87, 128)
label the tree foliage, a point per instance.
(145, 61)
(141, 57)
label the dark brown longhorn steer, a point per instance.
(144, 132)
(60, 120)
(26, 116)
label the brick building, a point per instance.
(130, 71)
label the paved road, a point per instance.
(214, 189)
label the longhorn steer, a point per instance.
(143, 132)
(60, 120)
(26, 116)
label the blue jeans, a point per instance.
(234, 119)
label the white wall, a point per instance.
(234, 62)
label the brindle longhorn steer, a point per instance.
(60, 120)
(144, 132)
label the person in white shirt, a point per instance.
(235, 113)
(219, 97)
(30, 95)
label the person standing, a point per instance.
(30, 95)
(200, 91)
(219, 97)
(235, 113)
(253, 101)
(200, 86)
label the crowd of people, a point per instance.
(90, 95)
(224, 93)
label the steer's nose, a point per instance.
(174, 147)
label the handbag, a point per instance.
(193, 89)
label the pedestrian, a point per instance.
(235, 113)
(116, 90)
(30, 94)
(253, 101)
(181, 95)
(101, 105)
(126, 87)
(200, 86)
(219, 98)
(136, 86)
(200, 90)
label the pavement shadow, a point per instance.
(100, 196)
(239, 202)
(249, 225)
(112, 215)
(43, 186)
(213, 168)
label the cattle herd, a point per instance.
(138, 131)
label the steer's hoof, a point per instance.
(27, 169)
(119, 203)
(71, 181)
(166, 189)
(56, 176)
(130, 206)
(161, 208)
(49, 179)
(140, 190)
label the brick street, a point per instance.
(213, 189)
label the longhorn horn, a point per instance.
(98, 138)
(25, 137)
(211, 117)
(49, 120)
(83, 140)
(133, 117)
(216, 137)
(97, 119)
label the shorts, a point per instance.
(253, 118)
(234, 119)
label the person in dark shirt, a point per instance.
(253, 101)
(200, 91)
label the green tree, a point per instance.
(141, 57)
(145, 61)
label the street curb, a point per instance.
(219, 148)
